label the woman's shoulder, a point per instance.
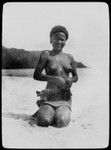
(45, 53)
(70, 56)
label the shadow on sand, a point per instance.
(24, 117)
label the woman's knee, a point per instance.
(45, 115)
(62, 116)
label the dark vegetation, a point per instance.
(13, 58)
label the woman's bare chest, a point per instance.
(55, 62)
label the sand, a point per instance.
(89, 126)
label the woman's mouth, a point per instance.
(59, 45)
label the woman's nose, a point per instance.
(59, 41)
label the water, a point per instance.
(18, 72)
(28, 72)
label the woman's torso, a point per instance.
(57, 65)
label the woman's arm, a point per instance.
(74, 77)
(74, 72)
(38, 75)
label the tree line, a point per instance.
(13, 58)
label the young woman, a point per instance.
(55, 103)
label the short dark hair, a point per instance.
(59, 28)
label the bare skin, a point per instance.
(58, 66)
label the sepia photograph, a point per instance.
(55, 75)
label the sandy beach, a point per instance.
(89, 126)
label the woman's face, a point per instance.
(58, 41)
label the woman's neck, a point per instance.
(55, 52)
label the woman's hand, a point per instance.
(69, 82)
(61, 80)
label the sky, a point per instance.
(27, 26)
